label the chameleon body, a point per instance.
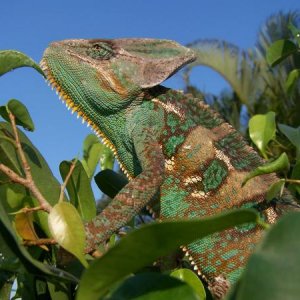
(170, 145)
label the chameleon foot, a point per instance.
(219, 287)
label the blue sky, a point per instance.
(29, 26)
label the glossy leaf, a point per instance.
(14, 201)
(89, 141)
(11, 59)
(110, 183)
(295, 31)
(67, 229)
(275, 189)
(95, 152)
(91, 154)
(191, 279)
(150, 286)
(280, 50)
(57, 293)
(141, 247)
(19, 110)
(262, 130)
(291, 80)
(106, 158)
(6, 284)
(41, 173)
(296, 175)
(273, 271)
(293, 134)
(79, 190)
(8, 154)
(21, 114)
(7, 139)
(9, 262)
(279, 164)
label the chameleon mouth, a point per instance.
(71, 105)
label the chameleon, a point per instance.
(171, 146)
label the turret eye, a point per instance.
(101, 50)
(96, 46)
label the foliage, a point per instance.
(254, 84)
(265, 80)
(41, 219)
(262, 127)
(38, 220)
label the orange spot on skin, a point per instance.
(109, 82)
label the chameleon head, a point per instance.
(106, 75)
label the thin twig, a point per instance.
(292, 181)
(63, 186)
(27, 210)
(39, 242)
(14, 177)
(28, 180)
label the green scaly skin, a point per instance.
(169, 144)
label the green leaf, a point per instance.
(79, 190)
(4, 113)
(296, 175)
(279, 164)
(291, 80)
(273, 271)
(11, 59)
(262, 130)
(13, 201)
(106, 158)
(6, 284)
(141, 247)
(191, 279)
(7, 139)
(21, 114)
(9, 262)
(280, 50)
(295, 31)
(110, 183)
(67, 229)
(41, 173)
(91, 154)
(149, 286)
(275, 189)
(57, 293)
(293, 134)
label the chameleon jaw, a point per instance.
(70, 104)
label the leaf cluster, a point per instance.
(36, 241)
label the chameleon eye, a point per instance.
(96, 47)
(101, 51)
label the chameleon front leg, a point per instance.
(135, 195)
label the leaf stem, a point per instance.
(292, 180)
(63, 186)
(39, 242)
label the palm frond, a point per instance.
(238, 67)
